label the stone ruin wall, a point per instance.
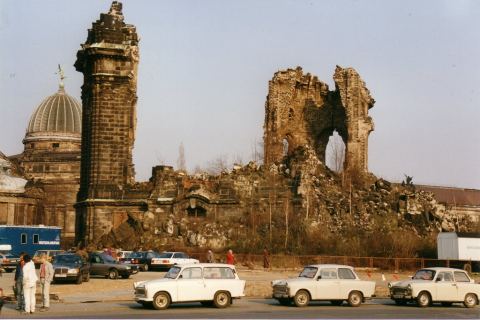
(176, 210)
(301, 110)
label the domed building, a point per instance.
(51, 160)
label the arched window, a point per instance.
(335, 152)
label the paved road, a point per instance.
(248, 309)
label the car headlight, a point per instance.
(73, 271)
(389, 285)
(127, 267)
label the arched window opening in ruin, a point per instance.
(197, 212)
(335, 153)
(285, 147)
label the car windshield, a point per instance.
(69, 259)
(136, 255)
(308, 272)
(165, 255)
(424, 275)
(107, 258)
(172, 273)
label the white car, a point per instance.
(166, 260)
(209, 283)
(330, 282)
(444, 285)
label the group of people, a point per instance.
(26, 283)
(230, 258)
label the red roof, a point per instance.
(454, 196)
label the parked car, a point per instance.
(429, 285)
(143, 259)
(70, 267)
(168, 259)
(50, 254)
(209, 283)
(8, 261)
(330, 282)
(104, 265)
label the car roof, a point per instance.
(329, 266)
(203, 265)
(442, 269)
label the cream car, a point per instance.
(330, 282)
(209, 283)
(444, 285)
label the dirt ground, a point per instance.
(258, 284)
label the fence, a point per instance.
(390, 264)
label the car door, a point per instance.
(445, 287)
(96, 265)
(190, 285)
(347, 282)
(463, 284)
(327, 286)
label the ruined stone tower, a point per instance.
(108, 61)
(301, 110)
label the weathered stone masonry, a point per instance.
(301, 110)
(108, 61)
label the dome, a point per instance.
(58, 115)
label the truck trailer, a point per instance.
(30, 238)
(459, 246)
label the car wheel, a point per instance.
(221, 299)
(207, 303)
(145, 267)
(423, 299)
(470, 300)
(161, 301)
(302, 298)
(79, 279)
(400, 302)
(355, 298)
(285, 301)
(113, 274)
(336, 302)
(87, 277)
(447, 304)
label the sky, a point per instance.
(205, 66)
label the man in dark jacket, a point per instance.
(19, 284)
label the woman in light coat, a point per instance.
(29, 284)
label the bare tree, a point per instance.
(336, 153)
(181, 163)
(217, 165)
(257, 151)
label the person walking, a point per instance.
(230, 257)
(210, 258)
(46, 277)
(266, 259)
(19, 283)
(29, 284)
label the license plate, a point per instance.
(60, 276)
(398, 296)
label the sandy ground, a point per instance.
(257, 284)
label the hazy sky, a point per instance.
(205, 66)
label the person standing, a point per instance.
(230, 257)
(46, 277)
(210, 258)
(19, 283)
(266, 259)
(29, 284)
